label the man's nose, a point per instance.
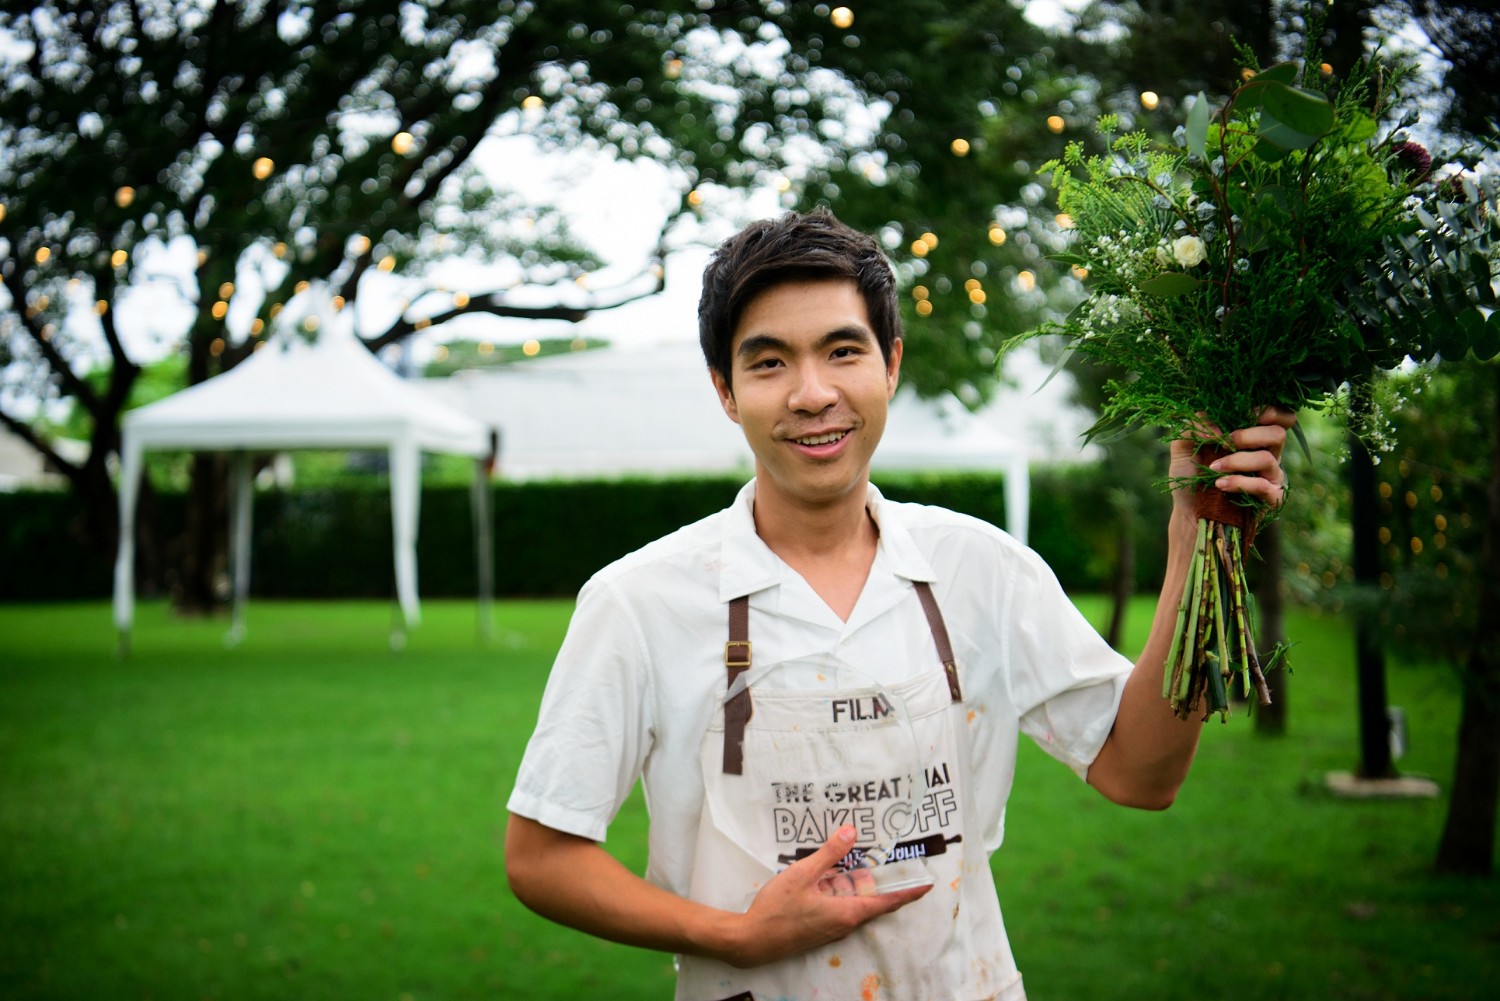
(813, 392)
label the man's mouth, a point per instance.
(821, 439)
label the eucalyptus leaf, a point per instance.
(1254, 92)
(1487, 344)
(1479, 266)
(1269, 152)
(1197, 126)
(1172, 283)
(1278, 133)
(1305, 111)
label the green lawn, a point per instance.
(310, 815)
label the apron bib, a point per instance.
(796, 750)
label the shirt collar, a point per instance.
(748, 565)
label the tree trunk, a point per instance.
(204, 541)
(1468, 841)
(1270, 720)
(1374, 725)
(1124, 582)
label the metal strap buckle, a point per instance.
(730, 661)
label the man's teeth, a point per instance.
(820, 439)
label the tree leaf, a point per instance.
(1170, 284)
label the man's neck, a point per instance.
(831, 545)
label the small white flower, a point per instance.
(1189, 251)
(1163, 255)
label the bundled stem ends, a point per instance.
(1214, 637)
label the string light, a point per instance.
(673, 69)
(338, 303)
(216, 346)
(101, 307)
(1150, 99)
(1056, 123)
(842, 17)
(960, 147)
(920, 292)
(919, 248)
(257, 327)
(358, 245)
(531, 348)
(1063, 220)
(924, 308)
(387, 263)
(1080, 272)
(43, 254)
(930, 239)
(460, 300)
(532, 103)
(1027, 281)
(118, 258)
(279, 250)
(124, 195)
(262, 168)
(401, 143)
(997, 235)
(226, 290)
(310, 323)
(695, 198)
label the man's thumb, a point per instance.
(834, 849)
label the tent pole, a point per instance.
(130, 485)
(406, 498)
(242, 501)
(484, 546)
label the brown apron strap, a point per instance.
(737, 710)
(939, 636)
(736, 662)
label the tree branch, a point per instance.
(28, 434)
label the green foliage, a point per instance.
(1280, 252)
(458, 355)
(333, 540)
(1433, 509)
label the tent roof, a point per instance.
(653, 410)
(290, 394)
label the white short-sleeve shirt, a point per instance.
(634, 684)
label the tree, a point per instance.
(334, 142)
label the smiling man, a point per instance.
(821, 690)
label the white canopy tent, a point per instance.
(653, 410)
(291, 394)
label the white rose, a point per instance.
(1189, 251)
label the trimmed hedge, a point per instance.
(549, 536)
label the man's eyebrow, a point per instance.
(844, 334)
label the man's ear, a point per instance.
(893, 369)
(726, 395)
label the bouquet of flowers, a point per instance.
(1287, 248)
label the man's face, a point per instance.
(810, 389)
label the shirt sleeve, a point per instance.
(594, 728)
(1066, 681)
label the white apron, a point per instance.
(798, 749)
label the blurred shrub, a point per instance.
(549, 536)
